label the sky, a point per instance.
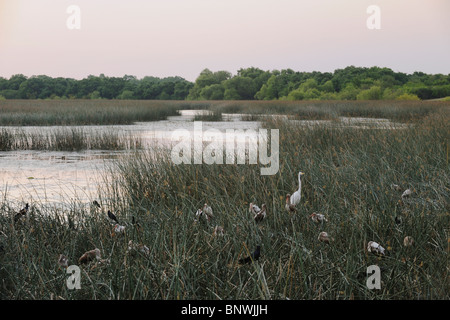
(165, 38)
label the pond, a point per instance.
(60, 177)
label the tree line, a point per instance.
(350, 83)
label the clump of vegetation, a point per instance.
(67, 139)
(82, 112)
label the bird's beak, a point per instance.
(301, 173)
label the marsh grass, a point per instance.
(67, 139)
(83, 112)
(348, 177)
(401, 111)
(112, 112)
(213, 115)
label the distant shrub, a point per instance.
(407, 96)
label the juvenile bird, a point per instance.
(89, 256)
(96, 203)
(261, 214)
(253, 208)
(63, 261)
(318, 217)
(324, 237)
(289, 206)
(253, 257)
(208, 211)
(406, 193)
(375, 248)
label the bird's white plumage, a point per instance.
(297, 195)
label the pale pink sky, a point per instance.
(182, 37)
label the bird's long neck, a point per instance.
(299, 182)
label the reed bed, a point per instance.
(111, 112)
(83, 112)
(67, 139)
(348, 178)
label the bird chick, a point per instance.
(63, 261)
(318, 217)
(218, 231)
(288, 206)
(89, 256)
(324, 237)
(408, 241)
(261, 214)
(118, 229)
(208, 211)
(375, 248)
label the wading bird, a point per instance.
(253, 257)
(297, 195)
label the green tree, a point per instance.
(374, 93)
(212, 92)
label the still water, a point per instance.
(50, 177)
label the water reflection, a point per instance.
(53, 177)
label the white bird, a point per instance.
(261, 214)
(375, 247)
(297, 195)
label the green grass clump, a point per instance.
(83, 112)
(67, 139)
